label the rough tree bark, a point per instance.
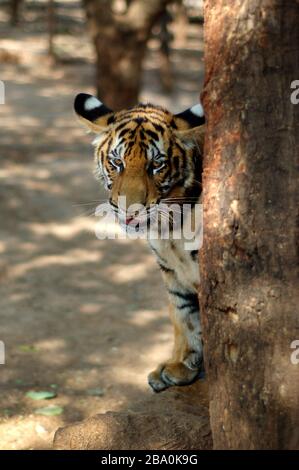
(51, 19)
(249, 290)
(120, 44)
(15, 7)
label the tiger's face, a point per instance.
(144, 154)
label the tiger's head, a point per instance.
(145, 153)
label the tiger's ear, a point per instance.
(94, 114)
(193, 137)
(191, 117)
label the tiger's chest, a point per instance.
(172, 255)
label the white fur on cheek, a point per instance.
(197, 109)
(92, 103)
(98, 139)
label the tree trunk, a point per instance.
(120, 44)
(165, 37)
(51, 28)
(249, 290)
(119, 69)
(15, 7)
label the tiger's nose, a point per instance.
(130, 211)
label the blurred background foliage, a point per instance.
(121, 32)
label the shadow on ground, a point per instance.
(76, 313)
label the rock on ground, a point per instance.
(175, 419)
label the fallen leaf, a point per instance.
(19, 382)
(28, 348)
(41, 395)
(49, 410)
(96, 392)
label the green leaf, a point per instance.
(42, 395)
(19, 382)
(28, 348)
(49, 410)
(96, 392)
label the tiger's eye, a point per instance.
(117, 163)
(157, 167)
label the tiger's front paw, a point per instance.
(170, 374)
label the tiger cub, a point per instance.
(150, 157)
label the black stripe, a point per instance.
(139, 120)
(153, 143)
(173, 124)
(109, 143)
(147, 114)
(182, 156)
(91, 114)
(197, 160)
(142, 134)
(191, 301)
(192, 308)
(158, 128)
(130, 145)
(158, 255)
(150, 106)
(124, 132)
(192, 192)
(122, 124)
(111, 120)
(191, 118)
(165, 269)
(152, 134)
(123, 140)
(143, 146)
(189, 297)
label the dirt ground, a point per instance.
(79, 316)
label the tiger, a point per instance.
(149, 156)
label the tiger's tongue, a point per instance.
(129, 219)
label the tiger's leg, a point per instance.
(187, 359)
